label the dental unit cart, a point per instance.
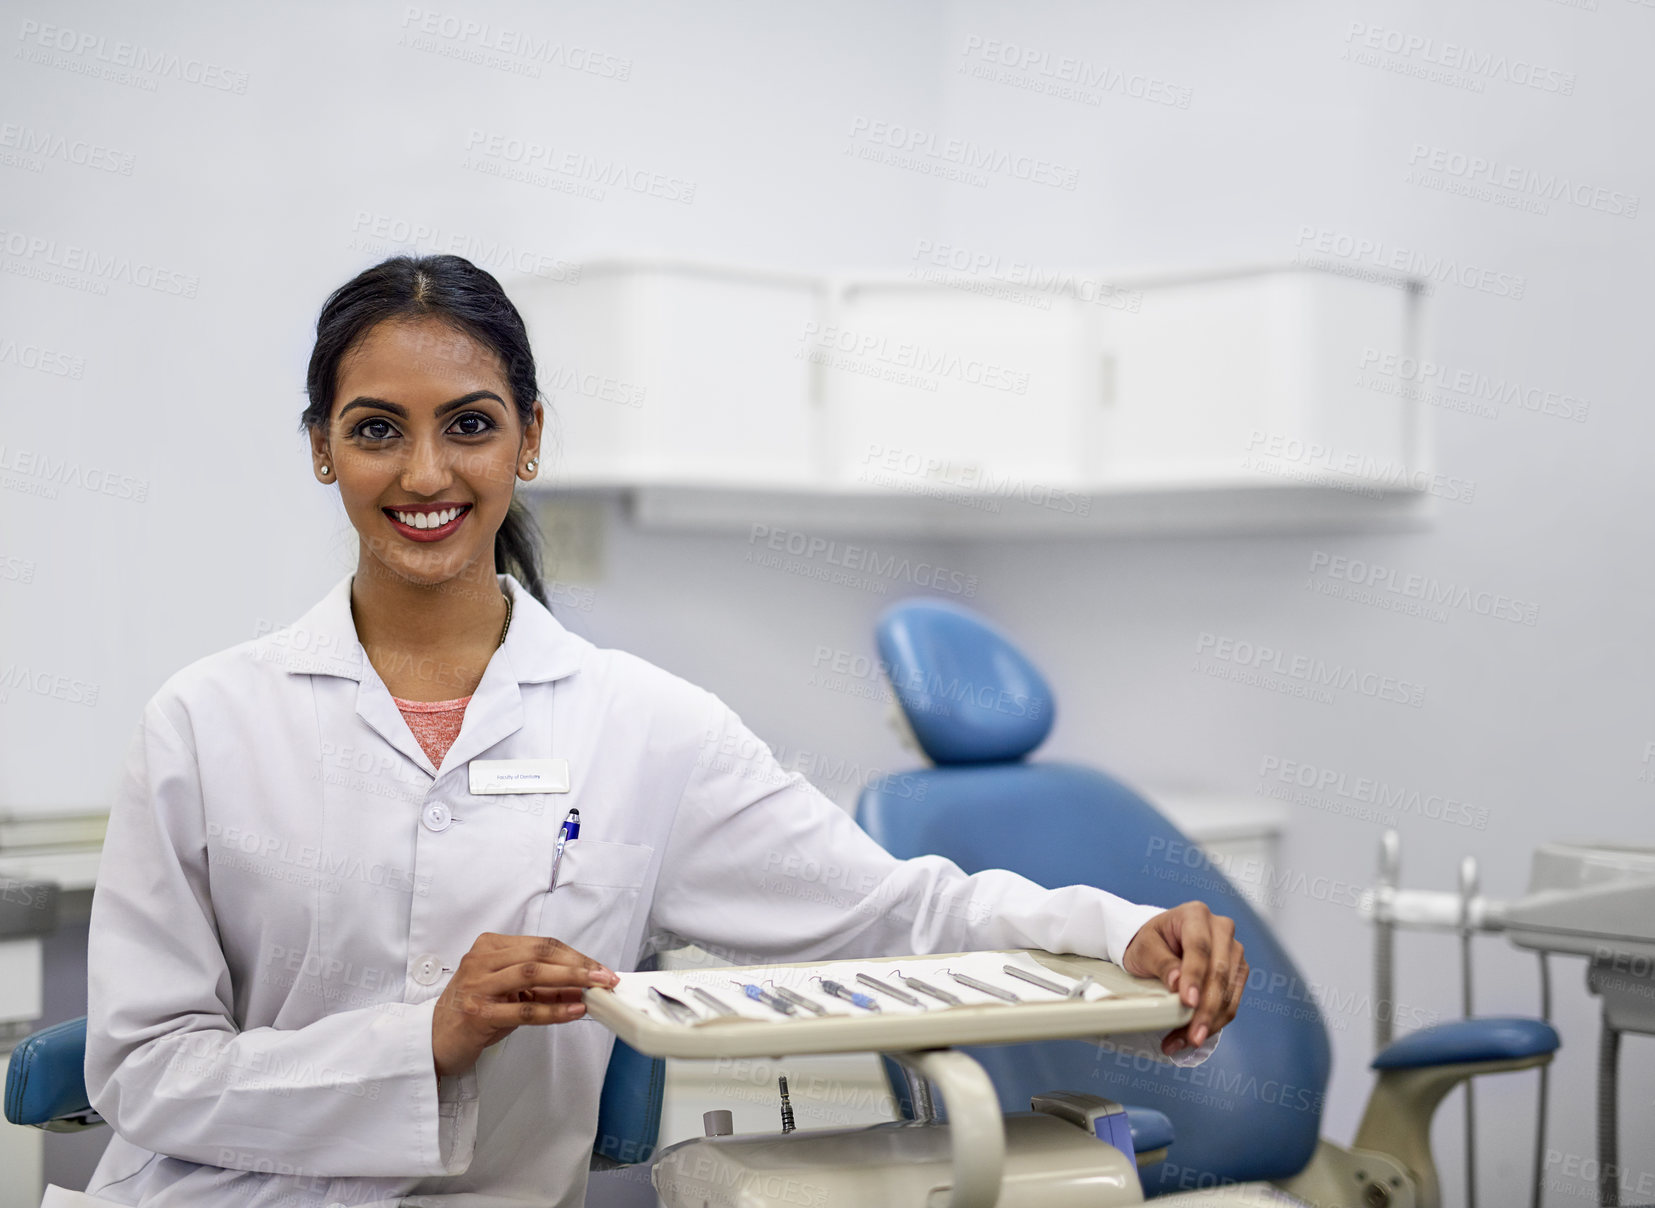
(1071, 1150)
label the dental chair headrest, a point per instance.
(968, 694)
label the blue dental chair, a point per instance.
(976, 707)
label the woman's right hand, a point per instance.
(504, 982)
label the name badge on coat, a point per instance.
(490, 776)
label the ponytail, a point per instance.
(517, 549)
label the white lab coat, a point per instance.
(287, 883)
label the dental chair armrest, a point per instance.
(1416, 1072)
(1492, 1038)
(46, 1080)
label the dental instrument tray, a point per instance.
(884, 1004)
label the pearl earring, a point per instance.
(325, 471)
(533, 463)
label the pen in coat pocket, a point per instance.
(569, 830)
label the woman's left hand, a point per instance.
(1193, 952)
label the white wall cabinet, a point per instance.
(1229, 400)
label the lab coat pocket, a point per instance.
(613, 865)
(596, 897)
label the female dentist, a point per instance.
(326, 945)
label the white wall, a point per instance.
(257, 195)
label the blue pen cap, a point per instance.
(571, 825)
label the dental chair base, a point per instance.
(1352, 1178)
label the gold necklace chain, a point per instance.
(507, 625)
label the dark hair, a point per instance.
(467, 298)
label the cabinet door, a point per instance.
(665, 375)
(927, 386)
(1251, 380)
(586, 355)
(729, 393)
(1364, 433)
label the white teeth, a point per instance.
(427, 520)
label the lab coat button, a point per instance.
(427, 969)
(437, 816)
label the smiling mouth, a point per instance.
(427, 523)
